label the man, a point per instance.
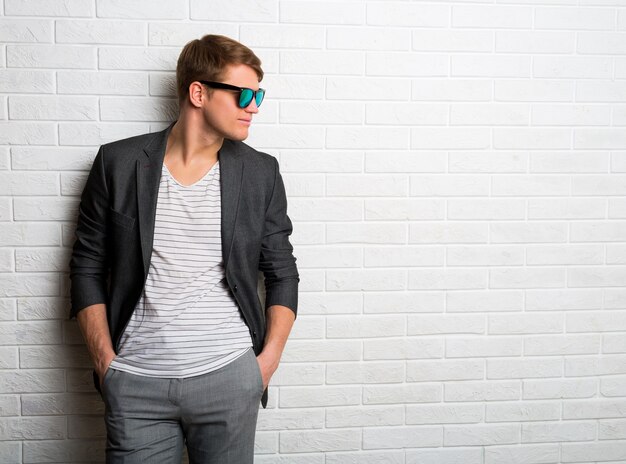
(173, 230)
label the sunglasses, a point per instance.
(245, 95)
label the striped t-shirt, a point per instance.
(186, 322)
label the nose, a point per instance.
(252, 108)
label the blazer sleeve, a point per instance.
(88, 264)
(277, 261)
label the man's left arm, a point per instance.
(278, 265)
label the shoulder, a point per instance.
(122, 154)
(254, 158)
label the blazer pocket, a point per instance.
(121, 219)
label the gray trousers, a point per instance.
(150, 420)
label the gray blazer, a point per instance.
(115, 229)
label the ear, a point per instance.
(196, 94)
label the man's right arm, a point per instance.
(93, 324)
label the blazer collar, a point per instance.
(149, 170)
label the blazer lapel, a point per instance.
(148, 179)
(231, 172)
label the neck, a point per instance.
(189, 141)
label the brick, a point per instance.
(302, 397)
(486, 209)
(531, 138)
(319, 440)
(459, 455)
(615, 343)
(444, 414)
(450, 138)
(365, 416)
(595, 408)
(527, 368)
(449, 232)
(611, 430)
(8, 358)
(50, 56)
(403, 348)
(431, 371)
(7, 310)
(32, 381)
(523, 453)
(452, 40)
(523, 411)
(365, 233)
(365, 373)
(298, 374)
(367, 185)
(576, 67)
(409, 302)
(401, 393)
(9, 406)
(324, 62)
(138, 109)
(53, 108)
(100, 32)
(491, 255)
(483, 391)
(322, 112)
(405, 64)
(481, 434)
(29, 285)
(30, 333)
(596, 231)
(27, 133)
(613, 298)
(607, 138)
(570, 115)
(329, 257)
(528, 232)
(408, 14)
(379, 161)
(297, 161)
(29, 234)
(7, 261)
(62, 404)
(32, 428)
(31, 308)
(559, 389)
(327, 350)
(447, 279)
(273, 419)
(492, 16)
(574, 18)
(309, 137)
(493, 114)
(402, 437)
(471, 65)
(29, 30)
(142, 9)
(612, 184)
(600, 91)
(64, 450)
(137, 58)
(483, 347)
(445, 324)
(535, 90)
(17, 183)
(485, 301)
(535, 42)
(369, 279)
(488, 162)
(102, 83)
(368, 38)
(331, 303)
(616, 254)
(567, 208)
(368, 457)
(75, 8)
(612, 387)
(401, 256)
(448, 185)
(563, 299)
(457, 89)
(553, 345)
(179, 33)
(597, 321)
(595, 366)
(94, 134)
(406, 114)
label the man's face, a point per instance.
(221, 111)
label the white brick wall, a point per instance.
(456, 174)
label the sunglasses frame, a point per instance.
(221, 85)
